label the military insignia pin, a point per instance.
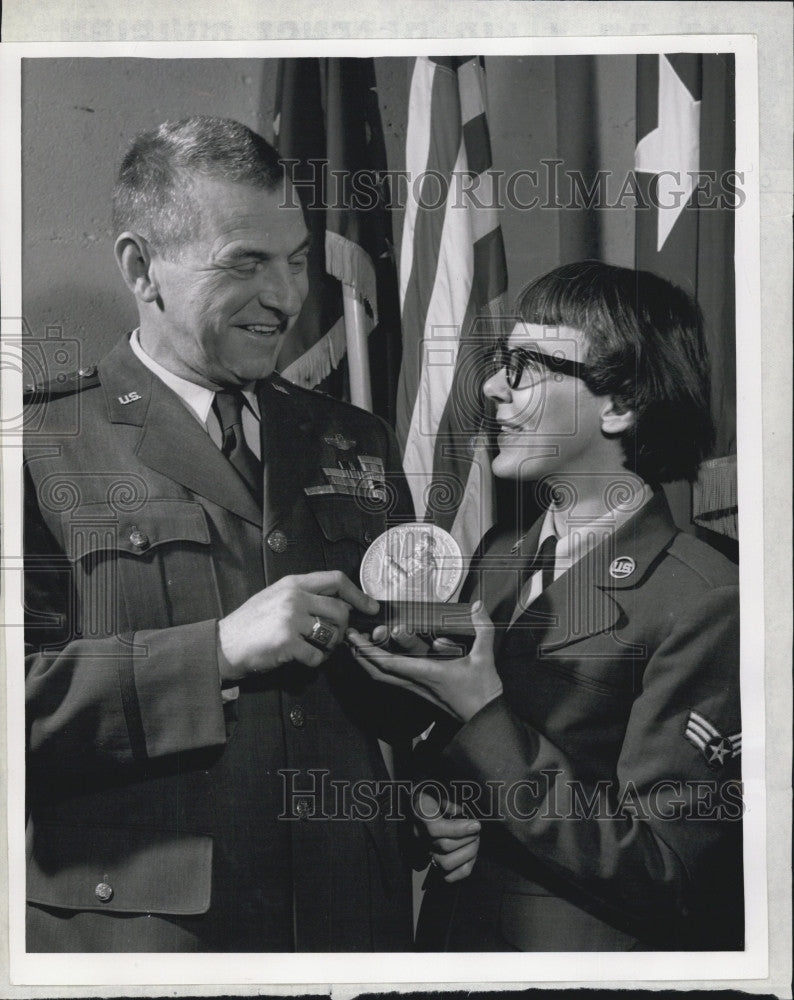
(339, 441)
(715, 747)
(622, 567)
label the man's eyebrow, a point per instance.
(243, 253)
(305, 244)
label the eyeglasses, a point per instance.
(524, 366)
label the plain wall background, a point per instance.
(79, 115)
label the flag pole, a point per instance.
(356, 332)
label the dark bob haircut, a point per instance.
(646, 349)
(153, 193)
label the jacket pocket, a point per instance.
(148, 568)
(120, 870)
(347, 529)
(341, 516)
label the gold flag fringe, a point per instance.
(715, 497)
(320, 360)
(351, 265)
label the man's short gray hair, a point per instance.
(153, 193)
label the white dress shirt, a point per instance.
(575, 540)
(198, 399)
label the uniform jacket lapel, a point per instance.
(171, 442)
(289, 447)
(588, 599)
(496, 576)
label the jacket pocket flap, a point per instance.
(100, 528)
(120, 870)
(341, 516)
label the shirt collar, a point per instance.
(197, 398)
(577, 540)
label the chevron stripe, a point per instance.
(696, 717)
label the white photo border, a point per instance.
(185, 971)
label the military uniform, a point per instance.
(615, 747)
(163, 816)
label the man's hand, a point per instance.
(460, 686)
(454, 839)
(270, 628)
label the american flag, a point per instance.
(453, 277)
(684, 163)
(328, 121)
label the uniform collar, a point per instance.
(172, 441)
(197, 398)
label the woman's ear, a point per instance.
(614, 418)
(134, 258)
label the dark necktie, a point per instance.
(545, 560)
(228, 408)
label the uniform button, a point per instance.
(104, 892)
(302, 808)
(297, 717)
(87, 372)
(368, 537)
(277, 541)
(139, 539)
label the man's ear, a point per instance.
(615, 419)
(134, 258)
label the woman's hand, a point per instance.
(460, 686)
(454, 839)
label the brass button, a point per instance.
(104, 892)
(297, 717)
(87, 372)
(302, 808)
(138, 538)
(277, 541)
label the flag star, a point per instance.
(672, 149)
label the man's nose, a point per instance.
(283, 289)
(496, 387)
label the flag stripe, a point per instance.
(438, 88)
(444, 453)
(478, 147)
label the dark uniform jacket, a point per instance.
(163, 818)
(615, 751)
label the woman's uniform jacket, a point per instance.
(165, 816)
(615, 751)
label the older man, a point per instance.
(190, 549)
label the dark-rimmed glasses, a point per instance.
(528, 365)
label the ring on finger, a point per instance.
(433, 862)
(323, 634)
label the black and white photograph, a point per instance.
(381, 433)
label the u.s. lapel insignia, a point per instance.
(715, 747)
(622, 567)
(128, 397)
